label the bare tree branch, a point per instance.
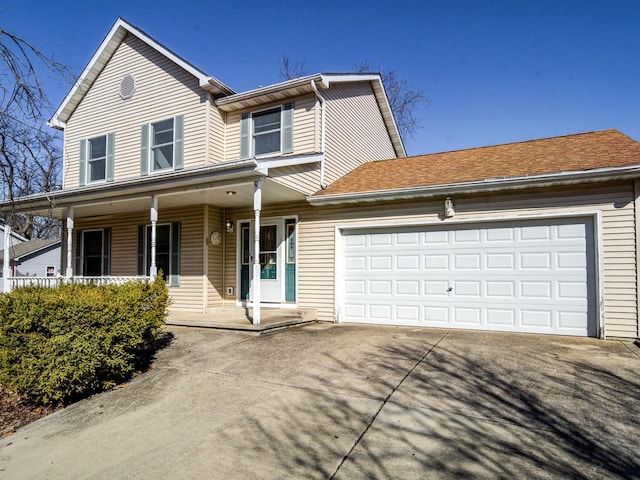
(30, 154)
(290, 69)
(404, 101)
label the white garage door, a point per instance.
(524, 276)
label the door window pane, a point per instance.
(268, 252)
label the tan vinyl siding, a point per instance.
(124, 249)
(303, 178)
(216, 135)
(317, 225)
(163, 90)
(304, 127)
(215, 288)
(355, 130)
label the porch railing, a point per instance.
(18, 282)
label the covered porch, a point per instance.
(175, 224)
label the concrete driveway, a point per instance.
(330, 401)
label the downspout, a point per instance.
(323, 106)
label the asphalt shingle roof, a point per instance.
(578, 152)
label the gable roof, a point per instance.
(309, 84)
(569, 158)
(120, 29)
(21, 250)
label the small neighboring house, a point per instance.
(300, 194)
(34, 258)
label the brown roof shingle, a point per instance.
(583, 151)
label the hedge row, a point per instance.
(58, 345)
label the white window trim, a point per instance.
(87, 175)
(102, 255)
(281, 129)
(146, 252)
(253, 132)
(150, 168)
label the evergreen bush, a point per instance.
(58, 345)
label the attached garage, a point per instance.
(534, 276)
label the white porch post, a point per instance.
(69, 272)
(153, 270)
(6, 266)
(255, 287)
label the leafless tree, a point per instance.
(404, 101)
(290, 69)
(30, 153)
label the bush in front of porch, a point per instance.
(58, 345)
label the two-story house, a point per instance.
(166, 169)
(300, 194)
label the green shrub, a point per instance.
(58, 345)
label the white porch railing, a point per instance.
(18, 282)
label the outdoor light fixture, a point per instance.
(449, 210)
(231, 193)
(229, 225)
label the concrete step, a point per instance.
(239, 318)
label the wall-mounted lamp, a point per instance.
(449, 209)
(229, 226)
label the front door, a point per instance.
(272, 260)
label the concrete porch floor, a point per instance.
(240, 318)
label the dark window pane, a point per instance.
(162, 157)
(92, 254)
(162, 132)
(97, 148)
(267, 143)
(266, 121)
(97, 170)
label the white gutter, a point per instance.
(489, 185)
(323, 185)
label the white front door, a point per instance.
(271, 264)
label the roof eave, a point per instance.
(136, 187)
(489, 185)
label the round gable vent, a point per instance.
(127, 87)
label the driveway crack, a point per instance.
(384, 402)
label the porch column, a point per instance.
(6, 266)
(69, 272)
(153, 270)
(255, 288)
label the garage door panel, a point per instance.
(518, 276)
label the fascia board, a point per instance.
(490, 185)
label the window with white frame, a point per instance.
(267, 132)
(167, 251)
(161, 145)
(93, 249)
(97, 159)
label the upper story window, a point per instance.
(161, 145)
(96, 159)
(267, 132)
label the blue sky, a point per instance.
(495, 71)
